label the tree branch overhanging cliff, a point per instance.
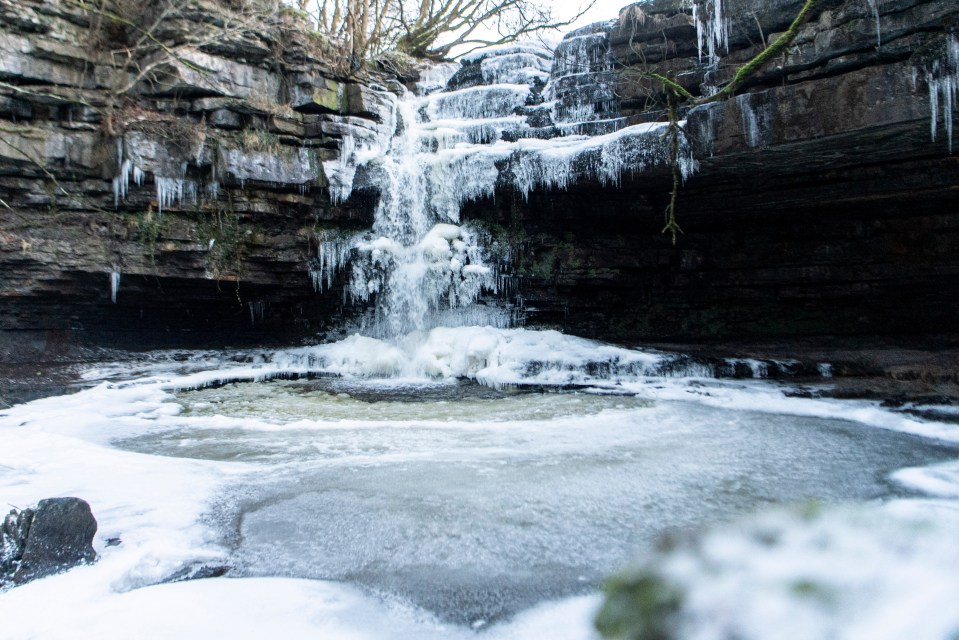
(431, 29)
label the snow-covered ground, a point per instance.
(385, 497)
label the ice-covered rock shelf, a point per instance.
(492, 127)
(274, 184)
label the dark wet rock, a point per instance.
(822, 205)
(197, 572)
(55, 536)
(224, 142)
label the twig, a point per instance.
(766, 54)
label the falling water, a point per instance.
(498, 124)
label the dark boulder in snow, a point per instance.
(55, 536)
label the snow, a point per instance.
(262, 607)
(882, 572)
(937, 480)
(541, 458)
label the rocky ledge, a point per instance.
(178, 194)
(825, 197)
(163, 169)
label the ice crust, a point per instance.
(163, 507)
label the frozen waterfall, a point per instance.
(516, 118)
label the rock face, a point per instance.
(824, 201)
(192, 195)
(55, 536)
(172, 189)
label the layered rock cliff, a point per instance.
(824, 200)
(180, 193)
(162, 168)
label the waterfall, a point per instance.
(514, 118)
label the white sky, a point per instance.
(602, 10)
(564, 9)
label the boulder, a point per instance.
(55, 536)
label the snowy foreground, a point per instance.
(385, 497)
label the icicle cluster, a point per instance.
(942, 78)
(257, 310)
(583, 81)
(712, 28)
(333, 252)
(172, 191)
(121, 182)
(169, 191)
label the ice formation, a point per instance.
(257, 310)
(435, 77)
(333, 250)
(712, 28)
(874, 5)
(756, 119)
(169, 191)
(942, 77)
(172, 191)
(114, 284)
(450, 147)
(121, 182)
(361, 142)
(582, 87)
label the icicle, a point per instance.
(257, 311)
(332, 255)
(114, 284)
(172, 191)
(942, 78)
(340, 172)
(712, 29)
(874, 5)
(121, 183)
